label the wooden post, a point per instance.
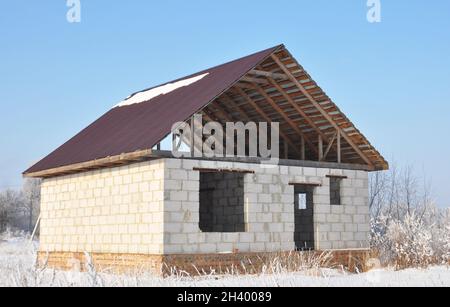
(339, 153)
(303, 149)
(35, 228)
(320, 148)
(192, 139)
(158, 147)
(286, 150)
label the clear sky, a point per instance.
(392, 78)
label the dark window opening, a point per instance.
(335, 191)
(222, 202)
(304, 217)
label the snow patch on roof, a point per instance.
(157, 91)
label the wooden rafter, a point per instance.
(284, 115)
(235, 106)
(327, 151)
(254, 80)
(266, 117)
(246, 85)
(298, 109)
(321, 110)
(223, 112)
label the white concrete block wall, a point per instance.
(114, 210)
(269, 206)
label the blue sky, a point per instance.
(392, 79)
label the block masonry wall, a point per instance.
(114, 210)
(269, 206)
(153, 208)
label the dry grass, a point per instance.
(18, 269)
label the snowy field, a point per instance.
(17, 259)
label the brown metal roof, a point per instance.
(239, 90)
(141, 126)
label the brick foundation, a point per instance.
(248, 263)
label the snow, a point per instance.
(17, 268)
(157, 91)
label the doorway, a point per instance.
(304, 217)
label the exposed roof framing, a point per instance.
(269, 86)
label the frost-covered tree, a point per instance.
(21, 207)
(408, 229)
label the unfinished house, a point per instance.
(113, 191)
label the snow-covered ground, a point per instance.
(17, 258)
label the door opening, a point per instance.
(304, 218)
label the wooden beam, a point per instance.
(235, 106)
(303, 153)
(337, 176)
(327, 151)
(223, 112)
(266, 117)
(268, 74)
(320, 148)
(206, 115)
(192, 138)
(320, 109)
(285, 116)
(339, 149)
(245, 85)
(286, 150)
(254, 80)
(95, 164)
(311, 184)
(297, 108)
(223, 170)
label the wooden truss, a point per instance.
(312, 127)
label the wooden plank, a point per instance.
(254, 80)
(286, 150)
(283, 114)
(327, 151)
(258, 160)
(223, 170)
(268, 74)
(95, 164)
(303, 149)
(320, 148)
(305, 116)
(267, 118)
(312, 184)
(337, 176)
(235, 106)
(339, 149)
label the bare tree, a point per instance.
(21, 207)
(32, 194)
(399, 192)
